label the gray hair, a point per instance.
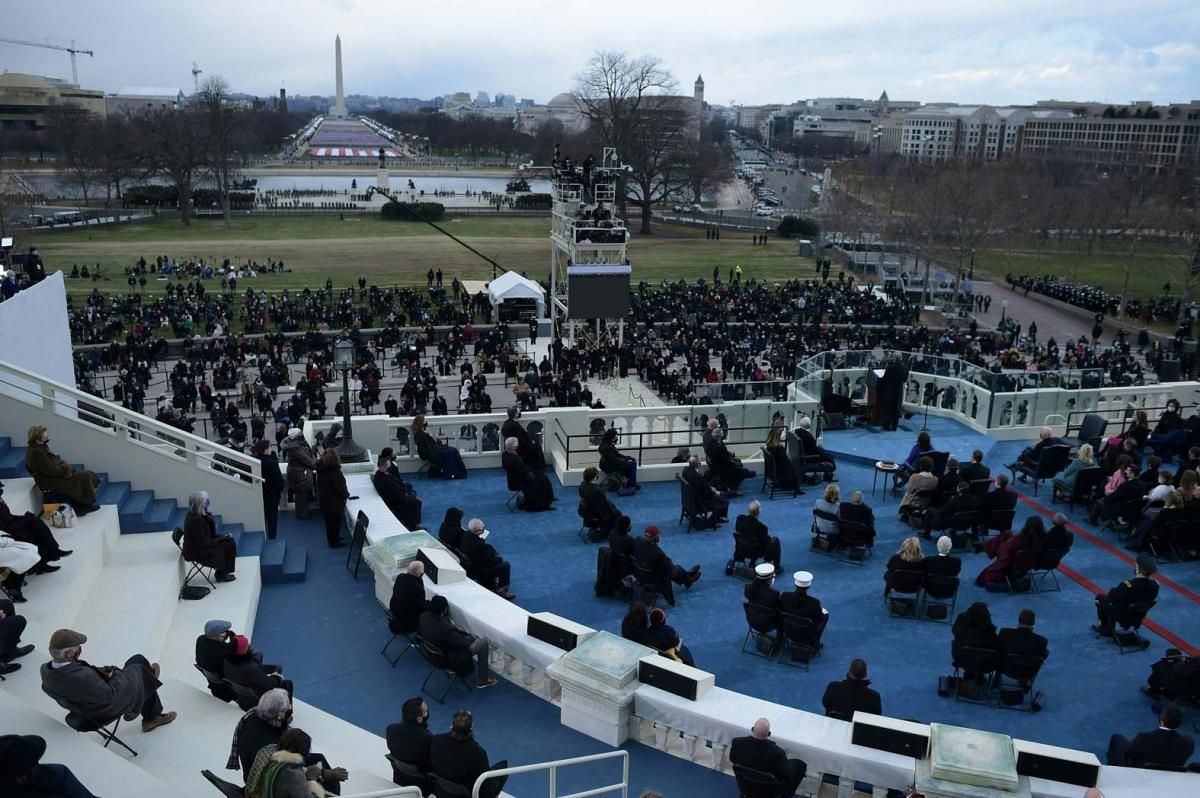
(511, 442)
(196, 501)
(806, 423)
(272, 703)
(416, 568)
(475, 524)
(1046, 432)
(1060, 519)
(63, 653)
(856, 497)
(693, 460)
(754, 507)
(944, 544)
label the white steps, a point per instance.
(22, 496)
(236, 602)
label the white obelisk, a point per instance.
(339, 101)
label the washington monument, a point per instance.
(339, 100)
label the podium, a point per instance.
(874, 407)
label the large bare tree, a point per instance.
(219, 124)
(73, 131)
(174, 148)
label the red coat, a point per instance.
(1004, 548)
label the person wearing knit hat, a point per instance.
(1141, 589)
(301, 470)
(799, 603)
(102, 693)
(648, 557)
(662, 636)
(243, 667)
(757, 751)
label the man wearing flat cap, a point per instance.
(102, 693)
(22, 775)
(1138, 590)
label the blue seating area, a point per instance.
(1091, 690)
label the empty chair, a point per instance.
(1091, 430)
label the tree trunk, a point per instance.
(185, 203)
(647, 213)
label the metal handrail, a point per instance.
(394, 792)
(622, 787)
(138, 432)
(1127, 413)
(691, 432)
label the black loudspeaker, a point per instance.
(547, 632)
(1048, 766)
(1168, 371)
(891, 735)
(673, 677)
(431, 569)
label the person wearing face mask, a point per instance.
(408, 741)
(202, 544)
(54, 475)
(259, 727)
(1171, 433)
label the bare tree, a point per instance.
(173, 148)
(116, 155)
(705, 167)
(73, 131)
(219, 139)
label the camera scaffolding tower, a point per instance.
(585, 231)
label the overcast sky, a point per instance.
(749, 51)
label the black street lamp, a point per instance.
(343, 358)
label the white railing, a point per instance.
(394, 792)
(130, 446)
(622, 787)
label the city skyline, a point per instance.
(1012, 52)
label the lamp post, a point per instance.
(343, 358)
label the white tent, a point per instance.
(511, 285)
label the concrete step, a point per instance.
(134, 508)
(158, 515)
(236, 602)
(249, 544)
(12, 464)
(22, 496)
(271, 559)
(113, 493)
(295, 564)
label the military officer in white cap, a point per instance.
(763, 613)
(798, 602)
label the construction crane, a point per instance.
(72, 50)
(196, 73)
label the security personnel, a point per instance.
(1140, 589)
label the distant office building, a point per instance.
(24, 99)
(138, 99)
(982, 132)
(1169, 137)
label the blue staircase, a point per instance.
(140, 511)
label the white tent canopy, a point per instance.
(511, 285)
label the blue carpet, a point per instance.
(866, 445)
(328, 630)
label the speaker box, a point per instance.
(440, 567)
(558, 632)
(1056, 764)
(890, 734)
(1168, 371)
(674, 677)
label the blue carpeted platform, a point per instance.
(328, 630)
(866, 445)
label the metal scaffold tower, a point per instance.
(585, 231)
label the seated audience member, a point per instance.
(436, 627)
(950, 480)
(1190, 463)
(857, 511)
(1058, 537)
(943, 517)
(648, 555)
(776, 446)
(22, 774)
(758, 752)
(12, 626)
(916, 495)
(243, 669)
(973, 629)
(944, 564)
(974, 470)
(212, 649)
(1064, 481)
(528, 449)
(1138, 590)
(662, 637)
(1023, 640)
(911, 464)
(258, 728)
(1031, 454)
(1175, 677)
(825, 462)
(451, 533)
(1166, 746)
(102, 693)
(828, 503)
(1125, 502)
(635, 625)
(1150, 474)
(54, 475)
(408, 741)
(18, 559)
(1171, 432)
(750, 526)
(595, 504)
(764, 614)
(613, 462)
(290, 769)
(711, 507)
(1154, 528)
(727, 470)
(408, 598)
(486, 566)
(1002, 499)
(536, 491)
(1119, 475)
(399, 496)
(1003, 550)
(202, 544)
(908, 558)
(681, 455)
(445, 461)
(798, 602)
(29, 528)
(853, 694)
(458, 758)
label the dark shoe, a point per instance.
(44, 568)
(226, 577)
(16, 596)
(507, 594)
(1148, 690)
(337, 544)
(486, 685)
(1100, 630)
(10, 667)
(21, 651)
(62, 553)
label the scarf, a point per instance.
(233, 763)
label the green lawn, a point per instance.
(397, 253)
(1153, 265)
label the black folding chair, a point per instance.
(1020, 671)
(1091, 430)
(746, 553)
(1128, 626)
(394, 628)
(213, 679)
(757, 618)
(801, 641)
(358, 540)
(904, 593)
(589, 527)
(405, 774)
(941, 594)
(194, 569)
(226, 788)
(855, 541)
(982, 662)
(1085, 488)
(439, 662)
(80, 722)
(753, 783)
(516, 490)
(822, 541)
(1046, 565)
(1023, 562)
(687, 503)
(444, 788)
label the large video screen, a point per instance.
(598, 292)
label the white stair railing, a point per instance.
(622, 787)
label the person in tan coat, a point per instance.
(52, 474)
